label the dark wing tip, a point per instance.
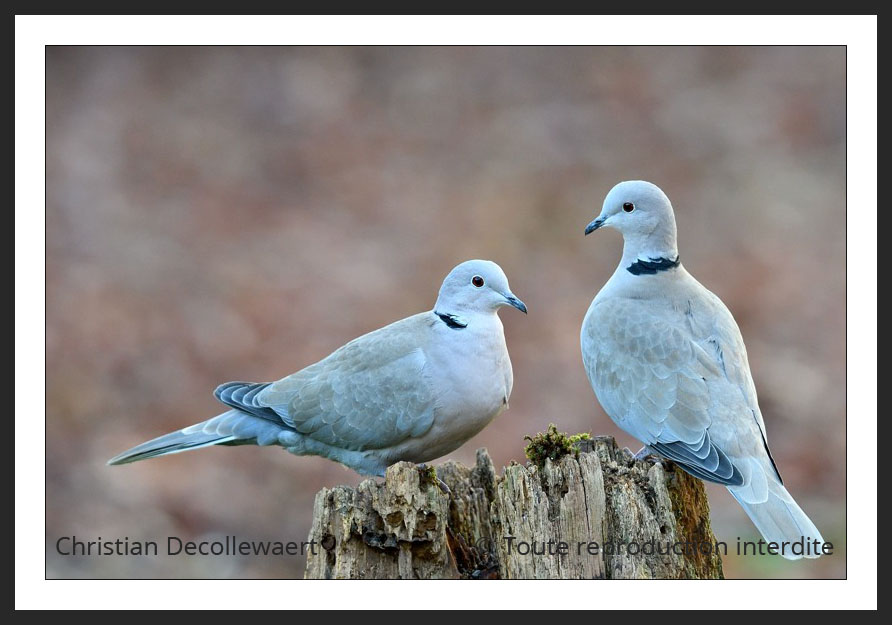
(681, 453)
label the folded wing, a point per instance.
(372, 393)
(661, 386)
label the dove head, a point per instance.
(643, 214)
(475, 286)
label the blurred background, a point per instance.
(219, 214)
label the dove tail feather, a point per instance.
(230, 428)
(172, 443)
(780, 519)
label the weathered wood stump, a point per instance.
(598, 513)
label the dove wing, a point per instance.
(372, 393)
(661, 384)
(712, 319)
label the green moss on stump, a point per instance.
(552, 444)
(427, 475)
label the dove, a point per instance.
(414, 390)
(668, 364)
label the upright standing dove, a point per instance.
(667, 362)
(414, 390)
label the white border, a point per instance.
(32, 33)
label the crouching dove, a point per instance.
(414, 390)
(667, 362)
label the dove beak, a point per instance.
(513, 301)
(595, 225)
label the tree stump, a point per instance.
(595, 513)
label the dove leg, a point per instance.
(644, 454)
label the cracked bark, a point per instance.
(616, 517)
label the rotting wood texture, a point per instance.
(598, 513)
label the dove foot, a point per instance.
(645, 454)
(431, 473)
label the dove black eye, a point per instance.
(477, 281)
(628, 207)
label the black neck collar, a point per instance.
(652, 265)
(452, 321)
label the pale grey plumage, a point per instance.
(413, 390)
(668, 364)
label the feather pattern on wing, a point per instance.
(371, 393)
(661, 385)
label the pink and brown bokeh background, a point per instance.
(220, 214)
